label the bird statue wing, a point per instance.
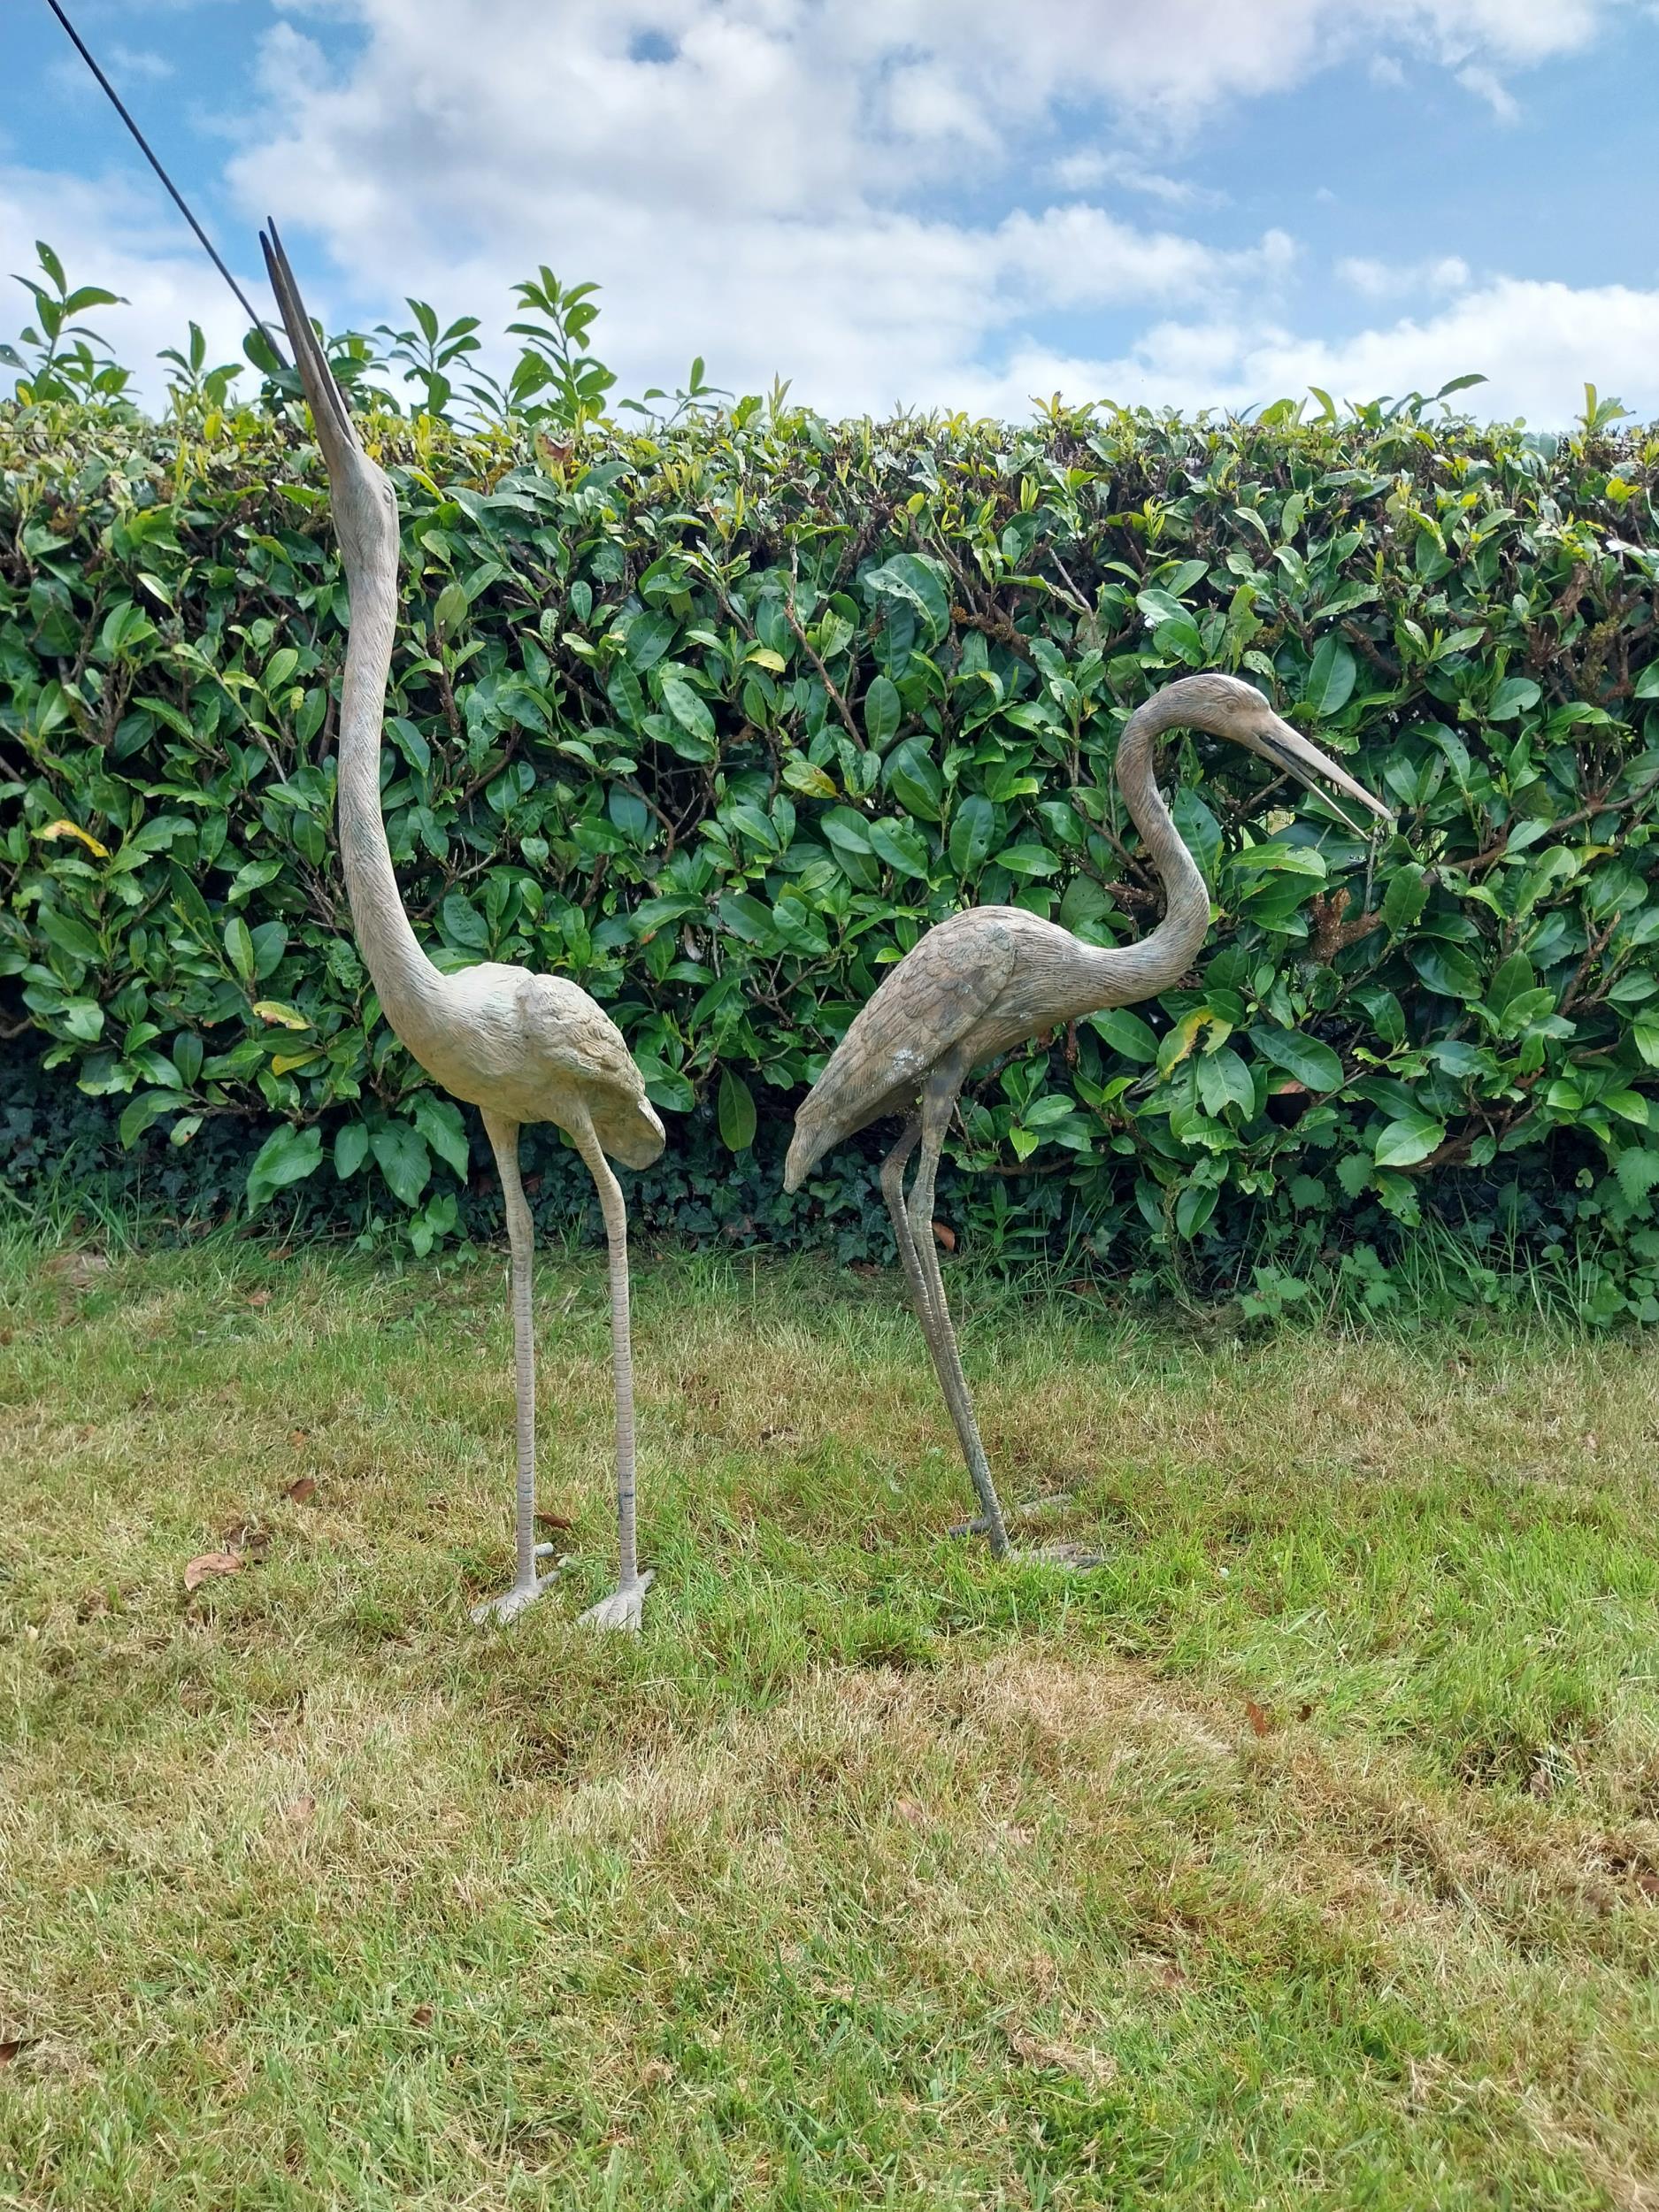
(941, 990)
(582, 1049)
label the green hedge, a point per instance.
(717, 719)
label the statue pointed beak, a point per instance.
(1287, 750)
(805, 1148)
(336, 431)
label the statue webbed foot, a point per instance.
(624, 1609)
(1077, 1557)
(511, 1602)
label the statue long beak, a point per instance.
(1287, 748)
(336, 433)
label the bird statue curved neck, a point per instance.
(989, 978)
(521, 1046)
(1157, 961)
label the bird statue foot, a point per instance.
(624, 1609)
(1032, 1511)
(511, 1602)
(1077, 1557)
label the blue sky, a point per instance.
(946, 202)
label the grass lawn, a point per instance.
(1306, 1853)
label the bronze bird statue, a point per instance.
(990, 978)
(518, 1046)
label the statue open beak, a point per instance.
(1287, 750)
(336, 433)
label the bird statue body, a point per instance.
(991, 977)
(520, 1047)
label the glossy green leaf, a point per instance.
(689, 710)
(912, 777)
(238, 947)
(351, 1149)
(401, 1154)
(736, 1112)
(1331, 676)
(287, 1156)
(1405, 898)
(882, 712)
(1410, 1138)
(1305, 1058)
(1193, 1208)
(144, 1111)
(900, 845)
(441, 1122)
(846, 828)
(971, 832)
(1446, 970)
(1225, 1081)
(1127, 1032)
(918, 582)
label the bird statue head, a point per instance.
(363, 503)
(1226, 706)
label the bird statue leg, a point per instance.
(527, 1585)
(938, 1103)
(927, 1308)
(892, 1191)
(931, 1311)
(624, 1609)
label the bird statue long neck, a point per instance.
(405, 979)
(1161, 958)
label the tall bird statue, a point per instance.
(992, 977)
(520, 1047)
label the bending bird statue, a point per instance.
(988, 979)
(520, 1047)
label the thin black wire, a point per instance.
(178, 197)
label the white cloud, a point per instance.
(1082, 256)
(128, 62)
(794, 108)
(1537, 344)
(1391, 279)
(1486, 85)
(748, 191)
(127, 65)
(1092, 166)
(772, 183)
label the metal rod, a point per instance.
(178, 197)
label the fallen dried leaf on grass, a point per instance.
(211, 1562)
(76, 1270)
(1260, 1719)
(247, 1540)
(301, 1492)
(945, 1236)
(554, 1521)
(1097, 2068)
(259, 1298)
